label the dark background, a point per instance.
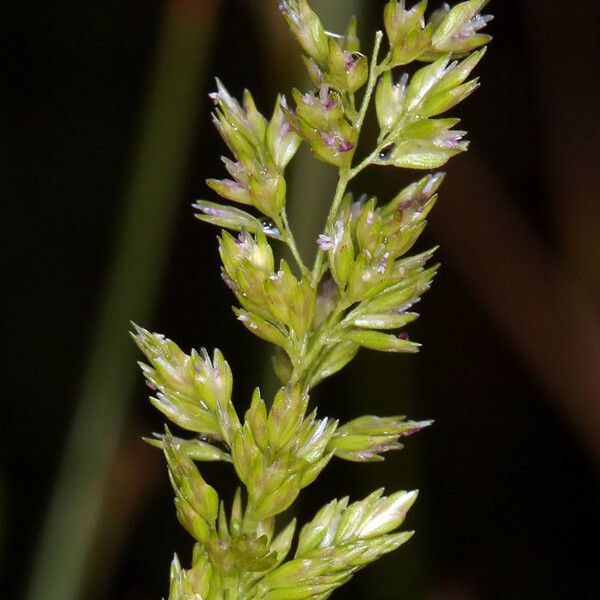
(509, 369)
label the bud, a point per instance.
(388, 320)
(413, 197)
(301, 304)
(236, 189)
(369, 228)
(366, 438)
(181, 395)
(313, 438)
(322, 527)
(355, 515)
(262, 151)
(268, 192)
(428, 144)
(423, 80)
(283, 541)
(387, 514)
(277, 499)
(235, 522)
(199, 580)
(389, 101)
(197, 502)
(320, 121)
(245, 248)
(365, 276)
(402, 295)
(244, 452)
(451, 89)
(247, 263)
(401, 242)
(245, 553)
(383, 342)
(339, 540)
(231, 190)
(282, 366)
(215, 380)
(285, 417)
(415, 46)
(280, 287)
(307, 28)
(170, 368)
(347, 71)
(191, 521)
(256, 123)
(234, 126)
(411, 267)
(341, 253)
(457, 28)
(195, 449)
(351, 41)
(328, 295)
(180, 585)
(261, 328)
(256, 418)
(190, 417)
(282, 141)
(320, 110)
(336, 358)
(335, 147)
(458, 72)
(400, 22)
(229, 217)
(440, 103)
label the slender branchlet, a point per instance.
(358, 293)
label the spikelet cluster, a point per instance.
(360, 293)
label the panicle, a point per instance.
(360, 293)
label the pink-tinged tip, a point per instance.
(212, 212)
(325, 242)
(336, 141)
(308, 99)
(453, 139)
(286, 128)
(328, 101)
(383, 263)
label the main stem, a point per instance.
(373, 74)
(288, 238)
(340, 190)
(346, 174)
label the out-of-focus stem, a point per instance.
(63, 556)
